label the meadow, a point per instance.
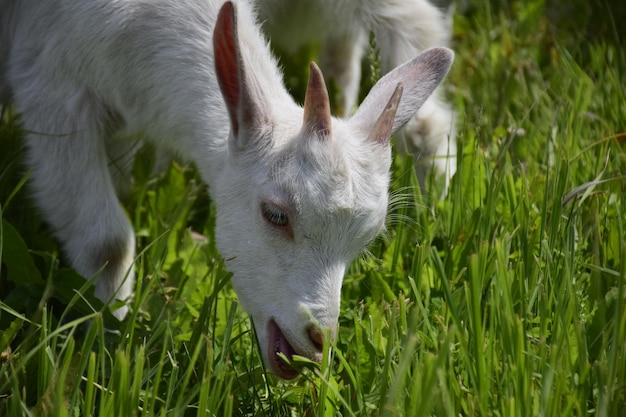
(506, 297)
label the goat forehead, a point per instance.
(327, 177)
(336, 206)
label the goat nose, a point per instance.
(317, 337)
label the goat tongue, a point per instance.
(280, 344)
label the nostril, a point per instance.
(317, 337)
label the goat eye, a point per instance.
(275, 215)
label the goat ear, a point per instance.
(418, 79)
(244, 106)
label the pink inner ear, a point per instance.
(227, 60)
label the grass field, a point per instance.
(505, 298)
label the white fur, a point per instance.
(84, 75)
(402, 29)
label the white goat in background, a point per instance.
(298, 193)
(402, 29)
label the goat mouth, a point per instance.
(278, 343)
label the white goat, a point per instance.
(298, 193)
(402, 29)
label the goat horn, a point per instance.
(381, 132)
(316, 104)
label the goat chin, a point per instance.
(299, 193)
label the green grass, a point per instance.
(506, 298)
